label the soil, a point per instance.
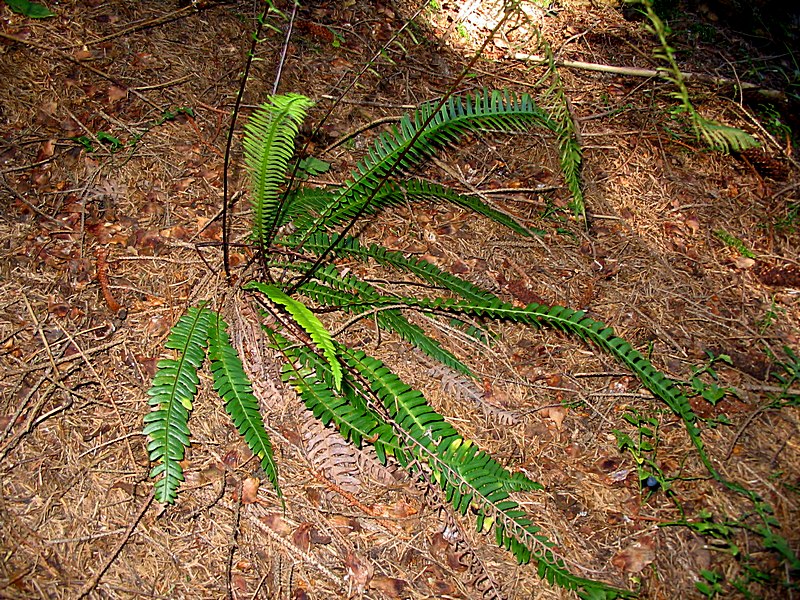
(114, 118)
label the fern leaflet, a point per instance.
(394, 193)
(470, 478)
(308, 321)
(428, 272)
(171, 394)
(356, 296)
(234, 388)
(347, 411)
(716, 135)
(394, 151)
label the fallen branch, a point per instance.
(770, 94)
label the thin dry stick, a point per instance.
(24, 200)
(458, 177)
(284, 50)
(747, 422)
(785, 151)
(362, 129)
(73, 60)
(42, 336)
(361, 316)
(260, 584)
(106, 391)
(368, 103)
(60, 361)
(57, 375)
(772, 388)
(523, 190)
(92, 583)
(293, 551)
(366, 68)
(4, 450)
(109, 443)
(167, 18)
(237, 519)
(33, 420)
(22, 406)
(84, 538)
(21, 535)
(325, 117)
(166, 84)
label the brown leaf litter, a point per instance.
(102, 250)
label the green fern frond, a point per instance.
(268, 147)
(235, 389)
(576, 323)
(350, 247)
(722, 137)
(424, 428)
(304, 203)
(308, 374)
(355, 296)
(716, 135)
(417, 189)
(406, 406)
(571, 157)
(563, 125)
(308, 321)
(470, 478)
(404, 147)
(171, 394)
(397, 193)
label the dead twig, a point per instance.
(237, 519)
(747, 422)
(362, 129)
(61, 360)
(293, 551)
(163, 19)
(90, 585)
(103, 386)
(63, 55)
(20, 409)
(24, 200)
(371, 104)
(284, 49)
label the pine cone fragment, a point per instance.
(766, 165)
(784, 275)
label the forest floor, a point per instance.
(113, 125)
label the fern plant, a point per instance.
(716, 135)
(300, 236)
